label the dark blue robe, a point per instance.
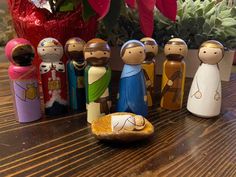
(132, 91)
(77, 95)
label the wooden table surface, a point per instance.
(182, 145)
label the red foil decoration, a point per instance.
(34, 24)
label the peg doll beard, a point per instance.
(77, 56)
(149, 56)
(176, 57)
(94, 61)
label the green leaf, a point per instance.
(206, 27)
(87, 11)
(67, 6)
(229, 22)
(225, 14)
(231, 32)
(111, 18)
(199, 12)
(212, 20)
(180, 13)
(218, 22)
(210, 12)
(209, 7)
(233, 12)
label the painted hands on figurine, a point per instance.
(148, 83)
(217, 96)
(145, 98)
(170, 82)
(117, 96)
(197, 95)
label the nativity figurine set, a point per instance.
(83, 83)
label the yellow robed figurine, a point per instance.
(148, 66)
(173, 77)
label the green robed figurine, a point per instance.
(97, 78)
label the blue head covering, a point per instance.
(129, 42)
(130, 70)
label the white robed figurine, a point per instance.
(204, 98)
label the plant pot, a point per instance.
(234, 58)
(192, 63)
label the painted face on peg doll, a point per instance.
(175, 49)
(133, 53)
(50, 50)
(74, 49)
(22, 54)
(97, 52)
(151, 47)
(211, 52)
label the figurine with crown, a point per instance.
(75, 72)
(53, 76)
(23, 76)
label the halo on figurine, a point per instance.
(205, 98)
(122, 126)
(208, 45)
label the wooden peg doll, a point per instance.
(204, 98)
(23, 76)
(148, 66)
(132, 95)
(97, 78)
(173, 76)
(75, 71)
(53, 76)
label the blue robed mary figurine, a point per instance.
(132, 95)
(75, 71)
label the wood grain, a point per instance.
(182, 145)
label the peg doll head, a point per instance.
(74, 49)
(176, 49)
(97, 52)
(211, 52)
(20, 52)
(50, 50)
(151, 47)
(133, 52)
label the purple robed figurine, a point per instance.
(23, 76)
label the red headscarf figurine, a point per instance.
(23, 78)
